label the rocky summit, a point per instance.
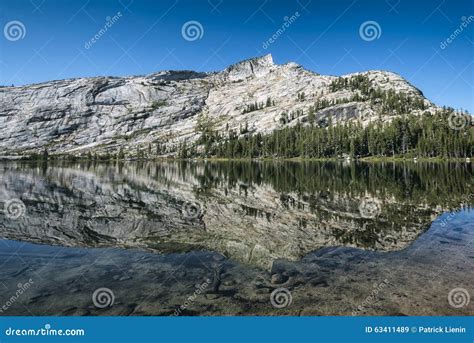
(154, 114)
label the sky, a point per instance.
(50, 39)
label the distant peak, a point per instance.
(261, 60)
(266, 59)
(256, 66)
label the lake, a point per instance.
(236, 238)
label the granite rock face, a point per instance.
(105, 115)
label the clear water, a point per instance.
(218, 238)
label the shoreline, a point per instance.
(369, 159)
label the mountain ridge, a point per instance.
(161, 111)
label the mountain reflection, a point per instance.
(252, 212)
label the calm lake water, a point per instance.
(236, 238)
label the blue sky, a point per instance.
(324, 37)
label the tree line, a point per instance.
(426, 135)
